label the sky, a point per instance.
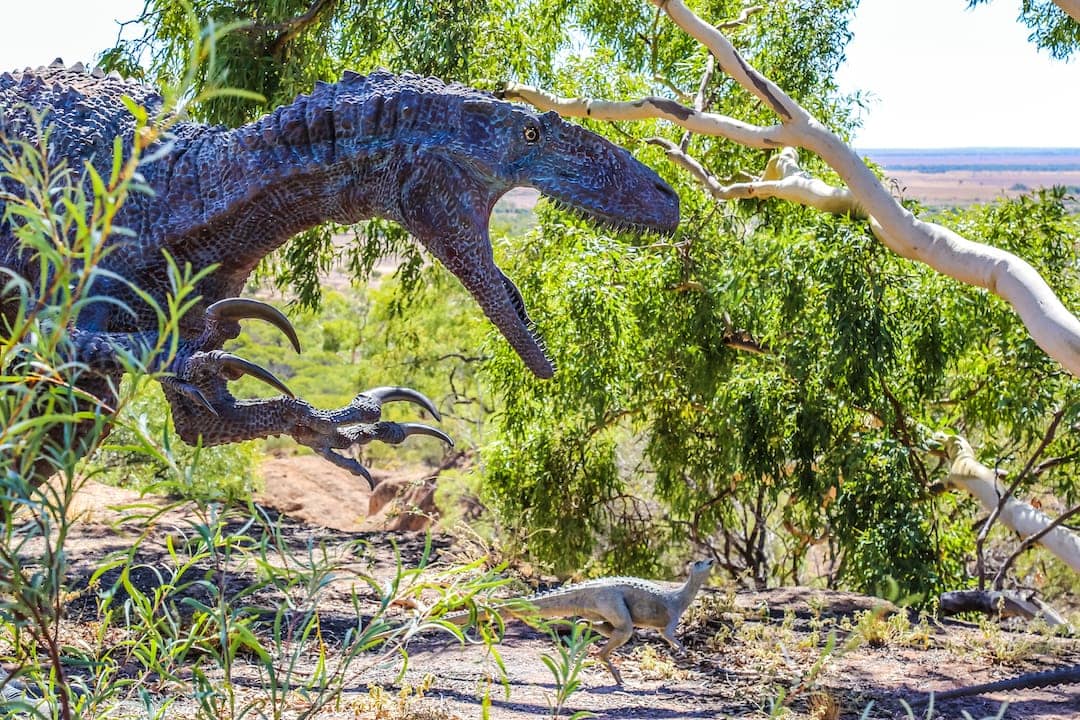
(937, 75)
(945, 76)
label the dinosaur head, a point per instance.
(701, 567)
(467, 148)
(589, 175)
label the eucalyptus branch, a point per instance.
(1050, 323)
(699, 97)
(292, 28)
(742, 19)
(1059, 521)
(969, 474)
(678, 92)
(1047, 438)
(783, 179)
(704, 123)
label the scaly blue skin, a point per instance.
(431, 156)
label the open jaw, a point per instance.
(522, 334)
(518, 329)
(599, 218)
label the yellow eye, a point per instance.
(531, 133)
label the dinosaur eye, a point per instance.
(531, 134)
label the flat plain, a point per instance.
(965, 176)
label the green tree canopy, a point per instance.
(763, 385)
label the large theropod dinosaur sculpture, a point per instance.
(433, 157)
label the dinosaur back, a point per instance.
(84, 109)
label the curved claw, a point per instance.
(241, 308)
(420, 429)
(349, 464)
(191, 392)
(390, 393)
(239, 366)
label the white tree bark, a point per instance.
(1050, 323)
(972, 476)
(1071, 8)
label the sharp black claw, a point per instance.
(191, 392)
(240, 366)
(242, 308)
(391, 393)
(419, 429)
(349, 464)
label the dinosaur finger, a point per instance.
(391, 393)
(233, 309)
(420, 429)
(349, 464)
(238, 366)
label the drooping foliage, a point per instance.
(765, 383)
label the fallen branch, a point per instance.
(1000, 604)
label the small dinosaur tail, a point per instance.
(517, 608)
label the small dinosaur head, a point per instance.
(463, 149)
(701, 567)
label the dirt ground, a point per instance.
(743, 647)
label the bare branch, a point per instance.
(699, 97)
(744, 16)
(290, 29)
(1059, 521)
(783, 179)
(654, 107)
(1047, 438)
(972, 476)
(675, 89)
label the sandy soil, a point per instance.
(743, 647)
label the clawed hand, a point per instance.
(203, 408)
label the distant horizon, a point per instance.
(977, 159)
(973, 148)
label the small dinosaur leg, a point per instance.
(668, 633)
(621, 626)
(603, 628)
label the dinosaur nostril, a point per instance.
(664, 189)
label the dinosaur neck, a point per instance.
(280, 175)
(685, 595)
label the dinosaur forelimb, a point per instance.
(324, 431)
(205, 411)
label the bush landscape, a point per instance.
(770, 387)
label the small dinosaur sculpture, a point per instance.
(614, 606)
(431, 156)
(1059, 676)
